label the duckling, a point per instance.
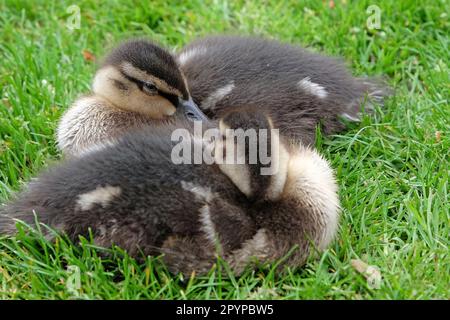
(299, 89)
(294, 206)
(133, 195)
(139, 84)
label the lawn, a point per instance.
(392, 168)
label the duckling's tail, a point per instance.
(369, 93)
(376, 90)
(7, 224)
(13, 213)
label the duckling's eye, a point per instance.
(149, 88)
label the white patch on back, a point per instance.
(313, 88)
(217, 95)
(189, 54)
(101, 195)
(207, 225)
(201, 193)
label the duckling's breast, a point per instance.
(92, 121)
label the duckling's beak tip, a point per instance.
(191, 110)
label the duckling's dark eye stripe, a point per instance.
(173, 98)
(139, 83)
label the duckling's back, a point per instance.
(298, 88)
(130, 194)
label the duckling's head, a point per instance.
(140, 76)
(259, 160)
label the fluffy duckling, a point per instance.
(297, 88)
(132, 194)
(138, 84)
(294, 204)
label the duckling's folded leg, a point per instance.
(257, 249)
(292, 230)
(287, 237)
(224, 228)
(187, 255)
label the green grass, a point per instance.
(392, 168)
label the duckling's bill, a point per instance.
(191, 110)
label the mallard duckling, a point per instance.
(133, 195)
(138, 84)
(297, 88)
